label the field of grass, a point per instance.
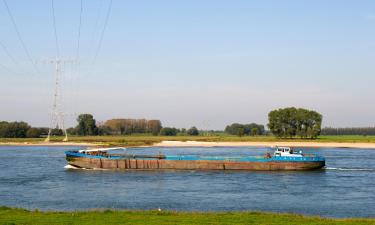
(139, 140)
(108, 217)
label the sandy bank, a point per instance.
(263, 144)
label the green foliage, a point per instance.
(109, 217)
(104, 130)
(57, 132)
(13, 129)
(254, 131)
(86, 125)
(244, 129)
(168, 131)
(348, 131)
(34, 132)
(72, 131)
(292, 122)
(240, 131)
(193, 131)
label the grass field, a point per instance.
(108, 217)
(137, 140)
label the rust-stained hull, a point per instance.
(163, 164)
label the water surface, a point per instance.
(35, 177)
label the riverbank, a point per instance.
(202, 144)
(41, 143)
(20, 216)
(191, 141)
(311, 144)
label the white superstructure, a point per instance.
(287, 151)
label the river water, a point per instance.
(37, 178)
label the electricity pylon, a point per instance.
(57, 115)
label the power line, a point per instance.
(19, 36)
(96, 24)
(8, 53)
(102, 33)
(79, 30)
(55, 30)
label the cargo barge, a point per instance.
(284, 158)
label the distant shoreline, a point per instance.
(311, 144)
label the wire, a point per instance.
(96, 24)
(19, 36)
(102, 33)
(8, 53)
(79, 31)
(55, 30)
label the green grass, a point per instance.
(139, 140)
(108, 217)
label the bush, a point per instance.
(34, 133)
(193, 131)
(244, 129)
(168, 131)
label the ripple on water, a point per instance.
(39, 177)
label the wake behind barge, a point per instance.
(283, 158)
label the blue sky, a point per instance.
(203, 63)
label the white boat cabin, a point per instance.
(287, 151)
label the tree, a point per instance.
(86, 125)
(104, 130)
(193, 131)
(34, 132)
(154, 127)
(168, 131)
(291, 122)
(119, 126)
(72, 131)
(254, 131)
(13, 129)
(348, 131)
(57, 132)
(247, 128)
(131, 126)
(4, 128)
(240, 131)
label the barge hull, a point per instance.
(162, 164)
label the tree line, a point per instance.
(87, 126)
(283, 123)
(348, 131)
(23, 130)
(252, 129)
